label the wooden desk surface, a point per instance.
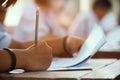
(106, 73)
(107, 54)
(102, 69)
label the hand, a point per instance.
(73, 44)
(39, 57)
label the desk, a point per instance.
(106, 73)
(107, 54)
(103, 69)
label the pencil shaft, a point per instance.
(36, 26)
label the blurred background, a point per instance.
(73, 6)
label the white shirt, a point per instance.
(5, 39)
(113, 40)
(26, 28)
(85, 22)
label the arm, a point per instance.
(20, 45)
(5, 60)
(73, 43)
(50, 36)
(57, 46)
(30, 59)
(54, 43)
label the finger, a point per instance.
(44, 44)
(75, 54)
(30, 47)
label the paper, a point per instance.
(94, 42)
(82, 67)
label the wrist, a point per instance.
(21, 59)
(13, 58)
(65, 44)
(66, 49)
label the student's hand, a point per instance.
(73, 44)
(39, 57)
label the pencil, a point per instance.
(36, 26)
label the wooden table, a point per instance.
(107, 54)
(103, 69)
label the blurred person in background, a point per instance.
(50, 26)
(65, 12)
(100, 14)
(113, 38)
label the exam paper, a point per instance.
(82, 67)
(93, 43)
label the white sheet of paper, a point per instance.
(94, 42)
(82, 67)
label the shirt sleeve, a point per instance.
(109, 22)
(5, 39)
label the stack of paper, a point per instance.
(94, 42)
